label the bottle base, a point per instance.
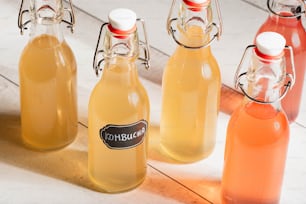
(230, 199)
(114, 189)
(45, 148)
(184, 157)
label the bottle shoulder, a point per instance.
(195, 67)
(256, 128)
(254, 115)
(42, 60)
(186, 55)
(113, 89)
(291, 28)
(119, 102)
(47, 44)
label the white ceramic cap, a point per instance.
(270, 43)
(122, 19)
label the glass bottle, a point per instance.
(286, 18)
(258, 131)
(191, 84)
(118, 117)
(47, 74)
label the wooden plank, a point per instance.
(64, 172)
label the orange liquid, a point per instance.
(190, 101)
(256, 148)
(294, 32)
(47, 72)
(120, 99)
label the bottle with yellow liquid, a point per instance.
(191, 84)
(47, 74)
(118, 112)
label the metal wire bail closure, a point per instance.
(218, 27)
(297, 13)
(97, 62)
(99, 57)
(71, 21)
(144, 45)
(290, 78)
(23, 24)
(287, 86)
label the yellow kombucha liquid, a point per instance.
(47, 73)
(118, 99)
(190, 100)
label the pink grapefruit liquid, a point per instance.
(256, 148)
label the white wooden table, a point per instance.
(61, 176)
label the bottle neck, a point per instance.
(46, 17)
(125, 48)
(120, 55)
(54, 30)
(287, 12)
(194, 25)
(265, 80)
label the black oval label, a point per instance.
(124, 136)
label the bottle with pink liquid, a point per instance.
(285, 18)
(258, 131)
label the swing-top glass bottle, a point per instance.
(47, 73)
(286, 18)
(118, 110)
(191, 83)
(258, 131)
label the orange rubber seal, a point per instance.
(195, 6)
(121, 33)
(268, 57)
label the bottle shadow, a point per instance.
(203, 186)
(187, 190)
(155, 151)
(167, 188)
(68, 164)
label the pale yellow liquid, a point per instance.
(118, 99)
(190, 101)
(47, 72)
